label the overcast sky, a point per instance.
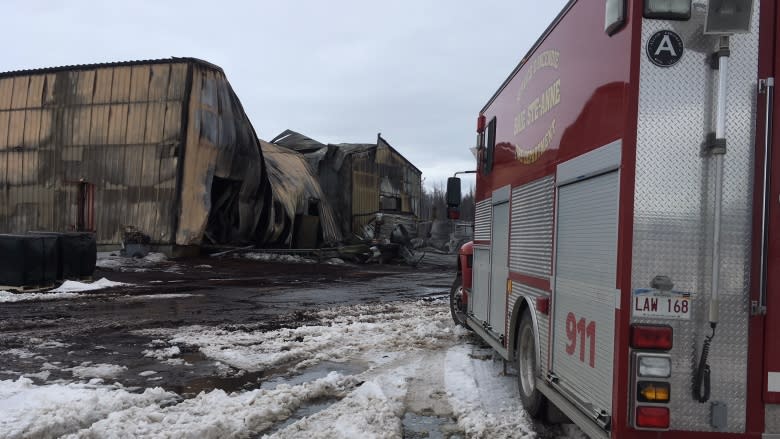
(335, 70)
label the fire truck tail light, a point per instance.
(652, 366)
(652, 417)
(651, 337)
(653, 391)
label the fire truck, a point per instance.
(626, 252)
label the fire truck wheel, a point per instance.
(532, 399)
(456, 303)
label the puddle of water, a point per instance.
(311, 407)
(429, 427)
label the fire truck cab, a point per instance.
(627, 225)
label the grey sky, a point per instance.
(337, 71)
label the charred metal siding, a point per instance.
(356, 176)
(383, 172)
(118, 127)
(149, 137)
(221, 144)
(294, 187)
(365, 189)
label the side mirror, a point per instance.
(453, 192)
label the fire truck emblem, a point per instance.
(665, 48)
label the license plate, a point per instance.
(662, 305)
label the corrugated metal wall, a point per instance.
(365, 190)
(115, 126)
(382, 172)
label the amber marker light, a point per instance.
(652, 391)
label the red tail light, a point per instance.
(652, 417)
(481, 123)
(651, 337)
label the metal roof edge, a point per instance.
(171, 60)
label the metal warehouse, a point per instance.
(360, 179)
(163, 146)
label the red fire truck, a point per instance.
(627, 237)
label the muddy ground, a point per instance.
(231, 292)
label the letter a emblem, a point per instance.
(666, 45)
(665, 48)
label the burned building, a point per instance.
(163, 146)
(301, 215)
(360, 180)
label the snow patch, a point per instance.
(273, 257)
(7, 297)
(217, 414)
(367, 332)
(28, 410)
(70, 286)
(89, 370)
(162, 354)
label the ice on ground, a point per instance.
(147, 373)
(89, 370)
(70, 286)
(28, 410)
(273, 257)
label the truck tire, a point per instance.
(458, 314)
(532, 399)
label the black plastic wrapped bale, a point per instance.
(28, 260)
(77, 253)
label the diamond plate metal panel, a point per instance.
(772, 418)
(482, 220)
(532, 225)
(673, 207)
(519, 291)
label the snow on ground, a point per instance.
(89, 370)
(68, 290)
(113, 261)
(7, 297)
(411, 360)
(163, 353)
(30, 411)
(352, 333)
(71, 286)
(273, 257)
